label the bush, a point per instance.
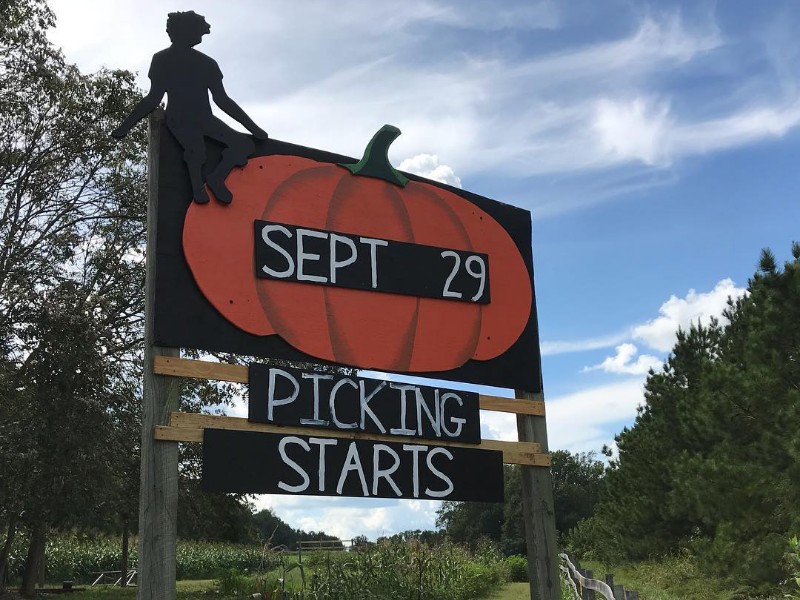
(408, 570)
(793, 563)
(517, 568)
(231, 582)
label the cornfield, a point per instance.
(76, 557)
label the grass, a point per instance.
(674, 578)
(512, 591)
(187, 590)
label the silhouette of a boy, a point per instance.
(186, 76)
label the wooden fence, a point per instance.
(584, 587)
(324, 545)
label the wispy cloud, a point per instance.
(550, 348)
(679, 313)
(582, 421)
(626, 362)
(658, 333)
(329, 78)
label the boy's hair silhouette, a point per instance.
(187, 76)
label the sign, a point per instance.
(270, 463)
(318, 258)
(290, 396)
(288, 253)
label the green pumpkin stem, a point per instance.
(375, 162)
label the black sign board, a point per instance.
(289, 253)
(290, 396)
(208, 295)
(250, 462)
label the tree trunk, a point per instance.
(123, 563)
(6, 552)
(34, 561)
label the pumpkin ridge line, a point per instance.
(290, 181)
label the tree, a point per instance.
(71, 217)
(276, 532)
(577, 481)
(67, 429)
(712, 463)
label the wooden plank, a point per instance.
(194, 435)
(158, 492)
(511, 405)
(188, 427)
(538, 511)
(199, 421)
(177, 434)
(200, 369)
(182, 367)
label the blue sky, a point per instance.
(654, 143)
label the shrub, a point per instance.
(517, 568)
(231, 582)
(408, 570)
(793, 563)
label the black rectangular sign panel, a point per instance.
(248, 462)
(290, 253)
(290, 396)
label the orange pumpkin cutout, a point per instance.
(362, 328)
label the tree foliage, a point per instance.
(712, 462)
(71, 225)
(577, 481)
(274, 531)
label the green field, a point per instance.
(386, 570)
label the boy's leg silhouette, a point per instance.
(194, 154)
(238, 147)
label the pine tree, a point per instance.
(712, 462)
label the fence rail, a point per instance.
(324, 545)
(584, 587)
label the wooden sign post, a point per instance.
(158, 491)
(537, 509)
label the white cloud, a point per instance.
(488, 15)
(660, 333)
(349, 517)
(634, 130)
(625, 362)
(562, 347)
(428, 165)
(751, 124)
(581, 421)
(331, 77)
(498, 426)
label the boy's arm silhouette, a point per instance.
(227, 104)
(143, 108)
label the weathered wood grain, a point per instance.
(158, 493)
(537, 509)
